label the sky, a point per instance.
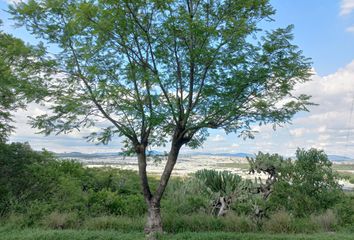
(324, 30)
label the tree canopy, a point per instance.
(21, 70)
(151, 66)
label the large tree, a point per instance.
(21, 70)
(165, 72)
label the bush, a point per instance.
(308, 186)
(57, 220)
(107, 202)
(238, 223)
(185, 197)
(204, 223)
(345, 210)
(17, 180)
(120, 223)
(192, 223)
(327, 221)
(279, 222)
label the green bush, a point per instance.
(238, 223)
(309, 185)
(185, 196)
(304, 225)
(17, 180)
(57, 220)
(327, 221)
(279, 222)
(193, 223)
(119, 223)
(345, 210)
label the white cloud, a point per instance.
(346, 7)
(13, 1)
(217, 138)
(297, 132)
(350, 29)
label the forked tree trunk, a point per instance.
(154, 224)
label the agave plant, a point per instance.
(222, 184)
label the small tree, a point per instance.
(276, 168)
(165, 71)
(303, 186)
(21, 70)
(314, 184)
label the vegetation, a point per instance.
(40, 193)
(40, 234)
(20, 67)
(165, 71)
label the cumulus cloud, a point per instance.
(350, 29)
(328, 126)
(346, 7)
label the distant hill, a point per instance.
(333, 158)
(88, 155)
(338, 158)
(241, 155)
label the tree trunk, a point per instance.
(154, 224)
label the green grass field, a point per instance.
(349, 167)
(40, 234)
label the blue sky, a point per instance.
(324, 30)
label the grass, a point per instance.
(40, 234)
(243, 166)
(343, 167)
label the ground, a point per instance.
(40, 234)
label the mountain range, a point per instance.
(333, 158)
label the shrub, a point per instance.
(279, 222)
(57, 220)
(238, 223)
(191, 223)
(304, 225)
(327, 221)
(16, 178)
(185, 196)
(345, 210)
(308, 186)
(120, 223)
(15, 221)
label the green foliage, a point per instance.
(36, 185)
(17, 180)
(345, 209)
(279, 222)
(327, 220)
(57, 220)
(185, 196)
(303, 186)
(22, 69)
(40, 234)
(224, 183)
(119, 223)
(207, 223)
(40, 191)
(165, 71)
(174, 66)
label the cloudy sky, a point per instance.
(324, 30)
